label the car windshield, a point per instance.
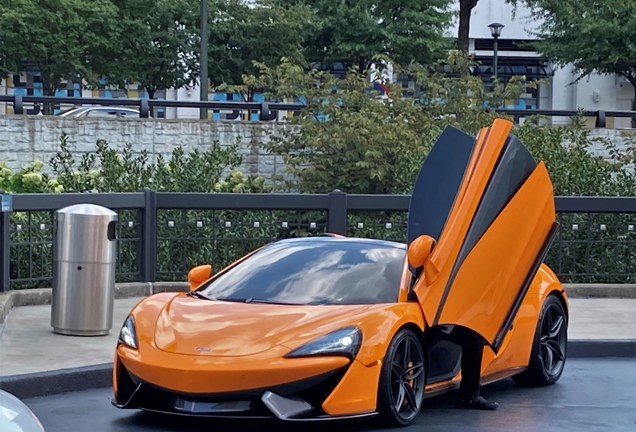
(324, 271)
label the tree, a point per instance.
(356, 32)
(349, 138)
(264, 32)
(596, 37)
(158, 45)
(63, 39)
(463, 32)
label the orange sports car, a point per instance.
(329, 327)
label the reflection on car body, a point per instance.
(101, 111)
(329, 327)
(15, 416)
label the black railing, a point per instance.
(267, 110)
(162, 235)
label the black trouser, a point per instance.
(472, 352)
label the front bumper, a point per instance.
(298, 400)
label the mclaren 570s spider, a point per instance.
(330, 327)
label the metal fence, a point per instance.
(162, 235)
(267, 111)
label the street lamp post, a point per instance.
(204, 57)
(495, 31)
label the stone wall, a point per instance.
(24, 139)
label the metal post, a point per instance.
(337, 216)
(204, 57)
(149, 237)
(5, 251)
(494, 60)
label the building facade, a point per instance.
(515, 57)
(593, 92)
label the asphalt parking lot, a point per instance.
(592, 395)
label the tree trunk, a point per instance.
(48, 88)
(362, 65)
(465, 9)
(151, 95)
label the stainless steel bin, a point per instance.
(84, 259)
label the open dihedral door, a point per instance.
(490, 206)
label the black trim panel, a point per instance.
(438, 182)
(147, 396)
(525, 287)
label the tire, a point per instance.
(402, 380)
(549, 349)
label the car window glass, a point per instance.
(324, 272)
(128, 114)
(101, 113)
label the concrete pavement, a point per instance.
(28, 344)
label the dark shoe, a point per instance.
(476, 402)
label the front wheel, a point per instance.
(547, 358)
(402, 380)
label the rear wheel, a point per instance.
(547, 359)
(402, 380)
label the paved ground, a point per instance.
(28, 343)
(592, 395)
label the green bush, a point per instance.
(346, 138)
(182, 243)
(363, 143)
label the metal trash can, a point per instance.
(84, 259)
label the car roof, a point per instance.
(99, 108)
(332, 238)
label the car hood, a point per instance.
(193, 326)
(15, 416)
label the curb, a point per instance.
(601, 348)
(42, 296)
(60, 381)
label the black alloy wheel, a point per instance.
(402, 380)
(549, 350)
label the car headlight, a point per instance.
(344, 342)
(127, 334)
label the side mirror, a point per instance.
(198, 275)
(420, 250)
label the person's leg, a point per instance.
(472, 352)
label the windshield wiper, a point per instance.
(197, 294)
(253, 300)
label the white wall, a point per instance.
(490, 11)
(562, 93)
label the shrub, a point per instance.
(348, 138)
(108, 170)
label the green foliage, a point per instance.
(157, 46)
(181, 244)
(357, 32)
(573, 169)
(351, 139)
(594, 36)
(29, 179)
(63, 39)
(241, 34)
